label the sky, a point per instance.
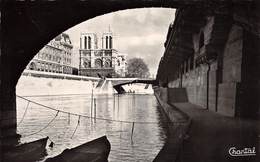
(137, 32)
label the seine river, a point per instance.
(147, 138)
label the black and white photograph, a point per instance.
(130, 81)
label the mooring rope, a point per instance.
(85, 116)
(98, 118)
(48, 124)
(28, 102)
(76, 128)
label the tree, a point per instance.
(137, 68)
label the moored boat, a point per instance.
(93, 151)
(27, 152)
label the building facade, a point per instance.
(121, 64)
(104, 61)
(54, 57)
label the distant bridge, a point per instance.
(118, 87)
(119, 82)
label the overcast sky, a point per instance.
(138, 32)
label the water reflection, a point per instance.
(147, 141)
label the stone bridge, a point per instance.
(119, 82)
(202, 27)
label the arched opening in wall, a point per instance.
(89, 42)
(107, 63)
(32, 66)
(106, 42)
(98, 63)
(201, 41)
(110, 42)
(137, 34)
(86, 64)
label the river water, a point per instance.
(147, 138)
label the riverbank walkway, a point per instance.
(210, 136)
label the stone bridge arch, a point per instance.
(29, 25)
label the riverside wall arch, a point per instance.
(28, 25)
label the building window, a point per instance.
(106, 42)
(80, 45)
(32, 66)
(89, 42)
(85, 42)
(110, 42)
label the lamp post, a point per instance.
(92, 91)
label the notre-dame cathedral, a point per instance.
(105, 61)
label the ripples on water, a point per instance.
(148, 139)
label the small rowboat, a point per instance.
(93, 151)
(27, 152)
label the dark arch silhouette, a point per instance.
(26, 26)
(34, 24)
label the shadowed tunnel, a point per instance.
(28, 26)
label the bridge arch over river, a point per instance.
(28, 25)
